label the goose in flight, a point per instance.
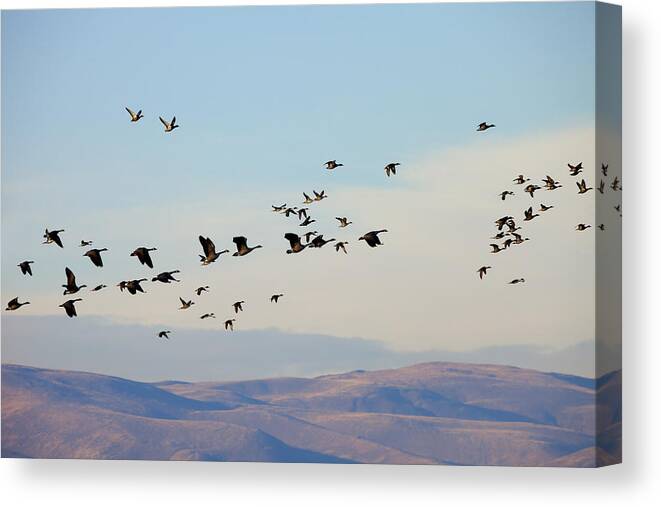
(291, 211)
(520, 180)
(618, 208)
(391, 168)
(602, 227)
(511, 225)
(71, 287)
(495, 248)
(483, 271)
(25, 267)
(616, 184)
(372, 237)
(484, 126)
(604, 169)
(529, 215)
(229, 324)
(242, 247)
(344, 221)
(542, 207)
(279, 209)
(307, 222)
(504, 194)
(185, 305)
(308, 199)
(166, 277)
(500, 235)
(575, 169)
(142, 253)
(169, 127)
(208, 316)
(332, 164)
(200, 290)
(164, 334)
(134, 116)
(582, 187)
(341, 245)
(295, 243)
(122, 285)
(507, 243)
(69, 307)
(518, 239)
(303, 213)
(550, 183)
(602, 186)
(238, 306)
(517, 280)
(500, 223)
(99, 287)
(53, 237)
(209, 249)
(275, 297)
(85, 243)
(133, 286)
(319, 241)
(582, 227)
(95, 256)
(308, 235)
(531, 189)
(15, 305)
(319, 196)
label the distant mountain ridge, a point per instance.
(429, 413)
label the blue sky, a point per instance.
(264, 96)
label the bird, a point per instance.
(275, 297)
(85, 243)
(133, 286)
(308, 235)
(372, 238)
(531, 189)
(505, 193)
(279, 209)
(25, 267)
(308, 199)
(164, 334)
(391, 168)
(319, 196)
(518, 239)
(142, 253)
(71, 287)
(15, 305)
(209, 249)
(507, 243)
(134, 116)
(483, 271)
(520, 180)
(500, 235)
(208, 316)
(319, 241)
(575, 169)
(500, 223)
(582, 227)
(602, 227)
(229, 324)
(484, 126)
(344, 221)
(169, 127)
(495, 248)
(69, 307)
(238, 306)
(122, 285)
(53, 237)
(302, 213)
(550, 183)
(242, 247)
(185, 305)
(95, 256)
(307, 222)
(517, 280)
(602, 186)
(332, 164)
(582, 187)
(341, 245)
(291, 211)
(295, 243)
(166, 277)
(99, 287)
(604, 169)
(542, 207)
(200, 290)
(616, 184)
(511, 225)
(618, 208)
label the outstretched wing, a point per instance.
(182, 301)
(130, 112)
(241, 242)
(163, 121)
(294, 239)
(174, 120)
(71, 278)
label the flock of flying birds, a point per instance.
(299, 242)
(512, 236)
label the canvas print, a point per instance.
(385, 234)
